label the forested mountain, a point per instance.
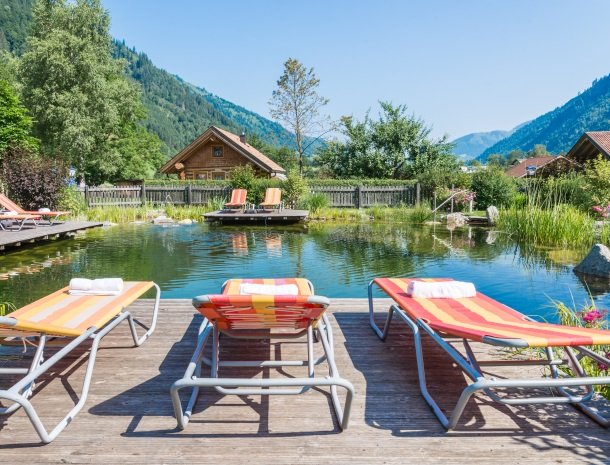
(15, 18)
(560, 129)
(177, 111)
(472, 145)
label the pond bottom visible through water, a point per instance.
(339, 259)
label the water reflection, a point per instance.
(339, 259)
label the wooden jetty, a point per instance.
(257, 217)
(30, 235)
(128, 416)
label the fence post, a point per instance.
(358, 196)
(143, 194)
(189, 194)
(87, 196)
(417, 193)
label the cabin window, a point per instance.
(217, 151)
(218, 176)
(202, 176)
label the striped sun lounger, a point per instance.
(238, 199)
(71, 321)
(484, 320)
(256, 317)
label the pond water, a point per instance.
(339, 259)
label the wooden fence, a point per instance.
(338, 196)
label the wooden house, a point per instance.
(215, 153)
(541, 166)
(589, 146)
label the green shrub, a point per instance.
(493, 187)
(72, 200)
(315, 202)
(244, 177)
(597, 181)
(293, 188)
(353, 182)
(420, 213)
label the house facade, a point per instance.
(589, 146)
(216, 153)
(541, 166)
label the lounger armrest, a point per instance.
(319, 300)
(7, 321)
(504, 342)
(200, 300)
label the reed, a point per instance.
(560, 225)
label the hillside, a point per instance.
(472, 145)
(560, 129)
(176, 111)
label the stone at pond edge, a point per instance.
(162, 220)
(492, 215)
(596, 263)
(456, 219)
(185, 221)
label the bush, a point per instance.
(72, 200)
(294, 187)
(244, 177)
(597, 181)
(33, 182)
(315, 202)
(493, 187)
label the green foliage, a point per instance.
(296, 103)
(561, 225)
(70, 199)
(283, 156)
(420, 213)
(397, 145)
(492, 187)
(559, 129)
(293, 188)
(570, 189)
(6, 308)
(597, 181)
(194, 182)
(496, 159)
(315, 202)
(244, 177)
(15, 18)
(15, 124)
(353, 182)
(33, 181)
(140, 154)
(84, 107)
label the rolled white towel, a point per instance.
(44, 210)
(441, 289)
(268, 289)
(105, 286)
(9, 212)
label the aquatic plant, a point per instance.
(315, 202)
(6, 308)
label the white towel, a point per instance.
(105, 286)
(44, 210)
(9, 212)
(441, 289)
(268, 289)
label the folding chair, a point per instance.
(253, 317)
(73, 320)
(482, 319)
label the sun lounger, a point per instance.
(253, 317)
(273, 198)
(72, 321)
(238, 199)
(51, 216)
(482, 319)
(19, 220)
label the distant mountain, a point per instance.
(560, 129)
(472, 145)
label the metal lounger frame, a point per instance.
(473, 369)
(20, 392)
(245, 386)
(20, 223)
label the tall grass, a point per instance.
(116, 214)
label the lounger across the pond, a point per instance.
(481, 319)
(70, 321)
(51, 216)
(254, 309)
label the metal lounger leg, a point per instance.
(382, 334)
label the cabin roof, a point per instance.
(520, 170)
(590, 145)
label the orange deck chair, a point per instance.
(484, 320)
(238, 199)
(51, 216)
(69, 321)
(273, 198)
(252, 309)
(19, 219)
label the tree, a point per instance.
(496, 159)
(493, 187)
(15, 124)
(82, 104)
(296, 104)
(515, 156)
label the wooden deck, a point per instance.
(30, 234)
(128, 416)
(230, 217)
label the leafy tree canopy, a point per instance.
(15, 124)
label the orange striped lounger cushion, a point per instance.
(483, 319)
(63, 314)
(232, 311)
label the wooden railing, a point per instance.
(338, 196)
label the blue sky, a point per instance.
(463, 66)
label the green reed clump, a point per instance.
(560, 225)
(315, 202)
(117, 214)
(420, 213)
(340, 214)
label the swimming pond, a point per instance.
(339, 259)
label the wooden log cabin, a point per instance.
(215, 153)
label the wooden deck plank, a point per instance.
(269, 216)
(30, 234)
(128, 416)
